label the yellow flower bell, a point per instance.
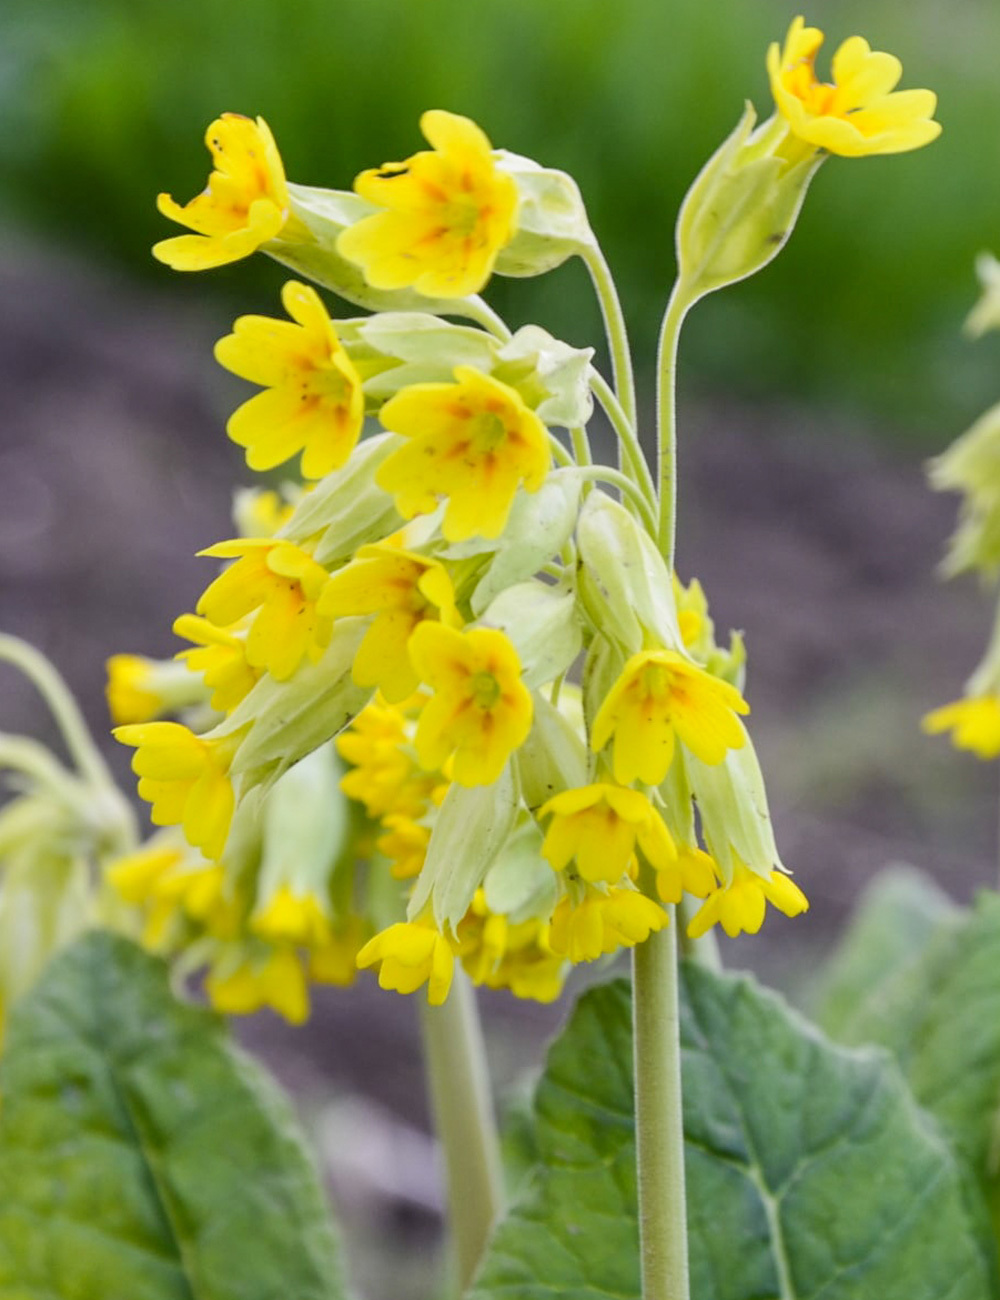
(740, 906)
(244, 204)
(445, 214)
(974, 723)
(599, 826)
(312, 401)
(409, 954)
(860, 113)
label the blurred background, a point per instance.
(811, 396)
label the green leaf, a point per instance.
(811, 1172)
(142, 1157)
(896, 920)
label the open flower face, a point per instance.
(312, 401)
(860, 112)
(473, 441)
(480, 711)
(401, 589)
(660, 697)
(408, 954)
(446, 215)
(281, 583)
(599, 826)
(244, 204)
(219, 654)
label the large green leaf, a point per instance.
(882, 962)
(811, 1171)
(142, 1157)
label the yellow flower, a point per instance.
(599, 826)
(660, 696)
(282, 583)
(740, 906)
(292, 918)
(220, 657)
(974, 724)
(480, 711)
(186, 780)
(132, 692)
(335, 960)
(384, 775)
(313, 401)
(504, 956)
(693, 871)
(402, 589)
(271, 978)
(859, 113)
(411, 953)
(244, 204)
(404, 843)
(472, 441)
(603, 922)
(448, 213)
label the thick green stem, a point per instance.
(614, 327)
(666, 424)
(659, 1118)
(466, 1127)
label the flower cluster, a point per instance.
(452, 704)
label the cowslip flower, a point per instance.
(401, 589)
(659, 698)
(447, 213)
(404, 842)
(601, 923)
(693, 871)
(740, 905)
(298, 918)
(409, 954)
(265, 977)
(480, 711)
(472, 441)
(384, 775)
(599, 826)
(133, 691)
(282, 583)
(860, 113)
(219, 656)
(974, 724)
(186, 780)
(312, 401)
(244, 204)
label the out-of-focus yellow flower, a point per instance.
(481, 710)
(219, 655)
(860, 113)
(974, 724)
(740, 906)
(282, 583)
(271, 978)
(599, 825)
(244, 204)
(132, 692)
(447, 214)
(602, 923)
(404, 842)
(473, 441)
(693, 872)
(384, 775)
(504, 956)
(661, 696)
(186, 780)
(409, 954)
(335, 960)
(312, 401)
(291, 917)
(167, 883)
(402, 589)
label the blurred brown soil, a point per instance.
(821, 546)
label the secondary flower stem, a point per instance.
(659, 1119)
(666, 418)
(63, 707)
(704, 951)
(633, 457)
(625, 485)
(614, 327)
(465, 1123)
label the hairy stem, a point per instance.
(666, 419)
(615, 329)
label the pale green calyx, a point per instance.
(986, 313)
(552, 223)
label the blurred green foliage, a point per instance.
(104, 104)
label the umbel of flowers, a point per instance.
(447, 701)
